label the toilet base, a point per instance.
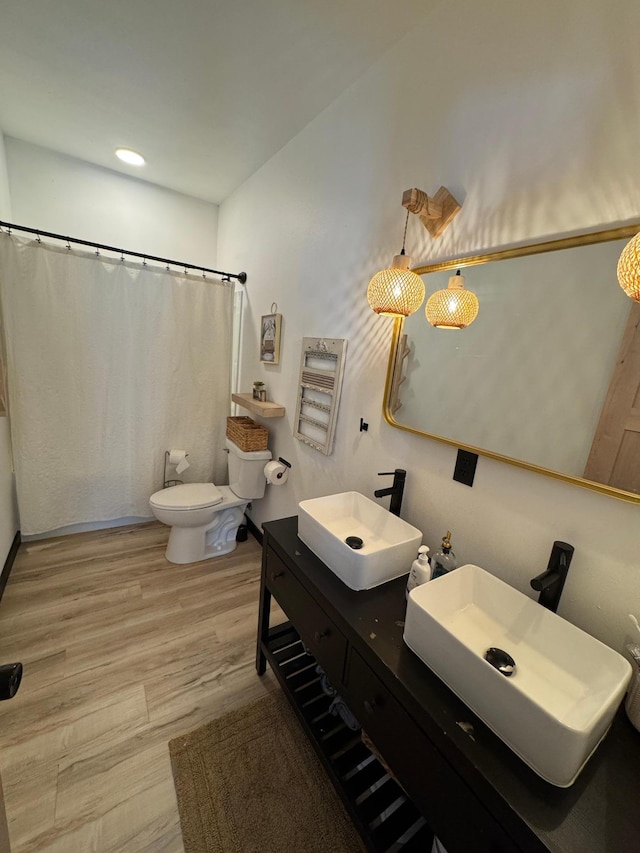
(192, 544)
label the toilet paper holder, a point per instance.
(166, 482)
(277, 472)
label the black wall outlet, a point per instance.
(465, 469)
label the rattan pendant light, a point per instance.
(629, 268)
(396, 291)
(452, 308)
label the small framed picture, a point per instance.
(270, 338)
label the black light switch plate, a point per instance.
(465, 469)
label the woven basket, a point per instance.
(247, 434)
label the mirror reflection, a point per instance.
(537, 378)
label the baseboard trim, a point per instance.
(8, 563)
(254, 530)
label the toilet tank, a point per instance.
(246, 471)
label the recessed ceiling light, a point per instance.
(130, 157)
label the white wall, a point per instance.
(67, 196)
(5, 197)
(8, 509)
(528, 113)
(63, 195)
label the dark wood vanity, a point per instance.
(457, 779)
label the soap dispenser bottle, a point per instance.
(420, 570)
(444, 560)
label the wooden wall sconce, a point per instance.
(435, 213)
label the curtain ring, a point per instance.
(97, 252)
(121, 256)
(38, 240)
(68, 244)
(204, 275)
(185, 271)
(144, 262)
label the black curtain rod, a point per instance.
(241, 276)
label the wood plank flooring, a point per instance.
(122, 652)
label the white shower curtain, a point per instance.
(109, 365)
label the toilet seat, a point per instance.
(188, 496)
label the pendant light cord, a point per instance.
(404, 236)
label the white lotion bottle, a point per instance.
(420, 570)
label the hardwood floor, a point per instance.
(122, 652)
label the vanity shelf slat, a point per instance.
(341, 752)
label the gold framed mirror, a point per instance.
(547, 377)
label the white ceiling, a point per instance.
(207, 90)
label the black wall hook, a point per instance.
(363, 426)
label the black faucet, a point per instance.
(550, 583)
(396, 491)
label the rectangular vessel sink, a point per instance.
(557, 705)
(389, 544)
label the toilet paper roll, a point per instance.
(179, 459)
(276, 473)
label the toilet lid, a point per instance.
(188, 496)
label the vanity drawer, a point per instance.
(449, 806)
(327, 644)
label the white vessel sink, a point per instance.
(389, 544)
(558, 704)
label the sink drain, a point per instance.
(501, 660)
(354, 542)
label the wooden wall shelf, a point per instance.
(267, 409)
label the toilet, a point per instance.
(204, 518)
